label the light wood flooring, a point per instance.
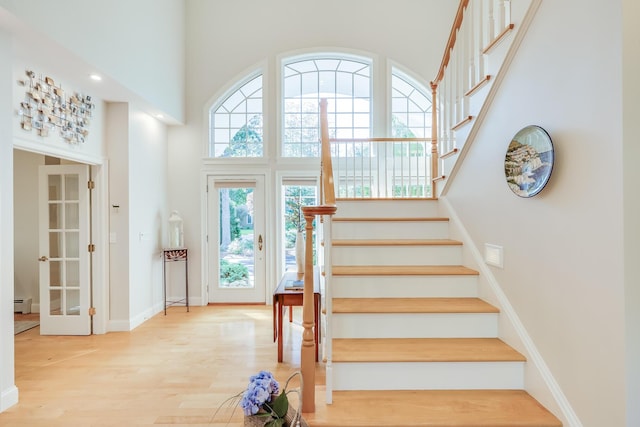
(177, 370)
(172, 370)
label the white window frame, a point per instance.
(219, 97)
(369, 60)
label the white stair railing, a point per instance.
(472, 61)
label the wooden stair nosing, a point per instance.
(433, 408)
(402, 270)
(367, 350)
(412, 305)
(395, 242)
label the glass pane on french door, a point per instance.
(236, 237)
(64, 278)
(297, 193)
(237, 262)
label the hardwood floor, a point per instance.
(172, 370)
(177, 370)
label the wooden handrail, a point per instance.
(457, 22)
(328, 196)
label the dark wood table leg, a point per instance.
(280, 338)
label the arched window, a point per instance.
(235, 123)
(410, 107)
(346, 84)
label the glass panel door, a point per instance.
(64, 270)
(236, 223)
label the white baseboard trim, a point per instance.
(118, 326)
(8, 398)
(533, 355)
(131, 324)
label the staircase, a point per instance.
(411, 342)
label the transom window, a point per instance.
(344, 82)
(410, 107)
(235, 123)
(236, 128)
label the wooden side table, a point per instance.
(175, 255)
(293, 297)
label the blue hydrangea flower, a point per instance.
(261, 387)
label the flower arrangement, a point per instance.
(262, 396)
(261, 400)
(265, 404)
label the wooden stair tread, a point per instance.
(388, 219)
(395, 242)
(412, 305)
(430, 408)
(423, 350)
(402, 270)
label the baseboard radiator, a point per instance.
(22, 305)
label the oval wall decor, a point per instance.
(529, 161)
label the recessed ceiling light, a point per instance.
(95, 77)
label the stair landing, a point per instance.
(432, 408)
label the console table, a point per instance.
(293, 297)
(175, 255)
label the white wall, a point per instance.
(8, 390)
(563, 249)
(139, 44)
(137, 145)
(25, 178)
(227, 39)
(148, 214)
(631, 195)
(117, 140)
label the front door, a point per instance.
(236, 239)
(64, 250)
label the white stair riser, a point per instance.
(428, 376)
(414, 325)
(404, 286)
(390, 230)
(387, 208)
(396, 255)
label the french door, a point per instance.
(236, 239)
(64, 250)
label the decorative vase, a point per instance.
(300, 252)
(176, 233)
(291, 419)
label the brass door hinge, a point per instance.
(91, 184)
(91, 248)
(92, 311)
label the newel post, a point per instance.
(434, 138)
(308, 353)
(308, 350)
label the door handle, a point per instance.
(43, 258)
(260, 242)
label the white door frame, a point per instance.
(100, 174)
(210, 251)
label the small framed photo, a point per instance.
(26, 124)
